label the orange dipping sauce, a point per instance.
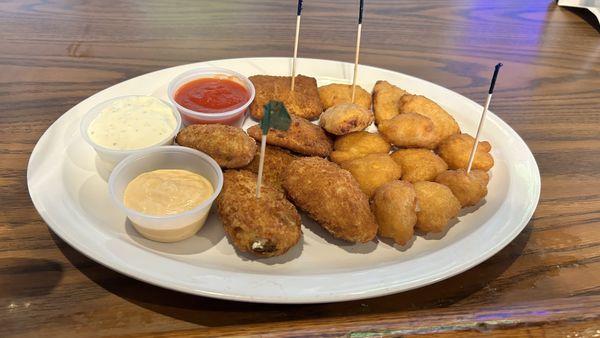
(212, 95)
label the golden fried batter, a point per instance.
(337, 93)
(469, 188)
(304, 101)
(275, 163)
(372, 171)
(394, 205)
(409, 130)
(345, 118)
(456, 149)
(230, 146)
(302, 137)
(332, 197)
(444, 123)
(436, 206)
(266, 226)
(358, 144)
(386, 100)
(419, 164)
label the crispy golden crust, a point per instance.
(456, 149)
(394, 205)
(332, 197)
(266, 226)
(372, 171)
(229, 146)
(337, 93)
(469, 188)
(303, 101)
(444, 123)
(358, 144)
(275, 163)
(419, 164)
(345, 118)
(409, 130)
(436, 206)
(303, 137)
(386, 100)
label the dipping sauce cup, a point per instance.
(169, 228)
(113, 156)
(232, 116)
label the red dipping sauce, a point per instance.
(211, 95)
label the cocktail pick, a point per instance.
(275, 116)
(485, 109)
(358, 33)
(298, 15)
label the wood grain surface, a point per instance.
(55, 53)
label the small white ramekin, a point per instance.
(170, 228)
(113, 156)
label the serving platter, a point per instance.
(68, 186)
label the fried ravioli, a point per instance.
(302, 137)
(345, 118)
(372, 171)
(230, 146)
(266, 226)
(275, 163)
(332, 197)
(444, 123)
(358, 144)
(419, 164)
(395, 207)
(304, 101)
(337, 93)
(456, 149)
(409, 130)
(386, 100)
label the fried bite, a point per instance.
(456, 149)
(302, 137)
(372, 171)
(386, 100)
(469, 188)
(394, 206)
(337, 93)
(436, 206)
(304, 101)
(358, 144)
(444, 123)
(230, 146)
(409, 130)
(332, 197)
(345, 118)
(275, 162)
(266, 226)
(419, 164)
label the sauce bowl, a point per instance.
(168, 228)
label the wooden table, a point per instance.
(54, 54)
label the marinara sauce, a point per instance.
(212, 95)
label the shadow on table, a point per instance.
(212, 312)
(29, 277)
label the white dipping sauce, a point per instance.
(132, 123)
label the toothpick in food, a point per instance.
(298, 15)
(358, 33)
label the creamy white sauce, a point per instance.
(132, 123)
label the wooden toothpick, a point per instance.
(358, 34)
(298, 16)
(485, 109)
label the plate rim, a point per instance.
(289, 299)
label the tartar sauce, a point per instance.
(166, 192)
(132, 123)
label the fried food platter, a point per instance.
(68, 185)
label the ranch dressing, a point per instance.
(132, 123)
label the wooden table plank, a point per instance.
(56, 53)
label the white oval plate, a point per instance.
(68, 187)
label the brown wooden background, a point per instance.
(547, 281)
